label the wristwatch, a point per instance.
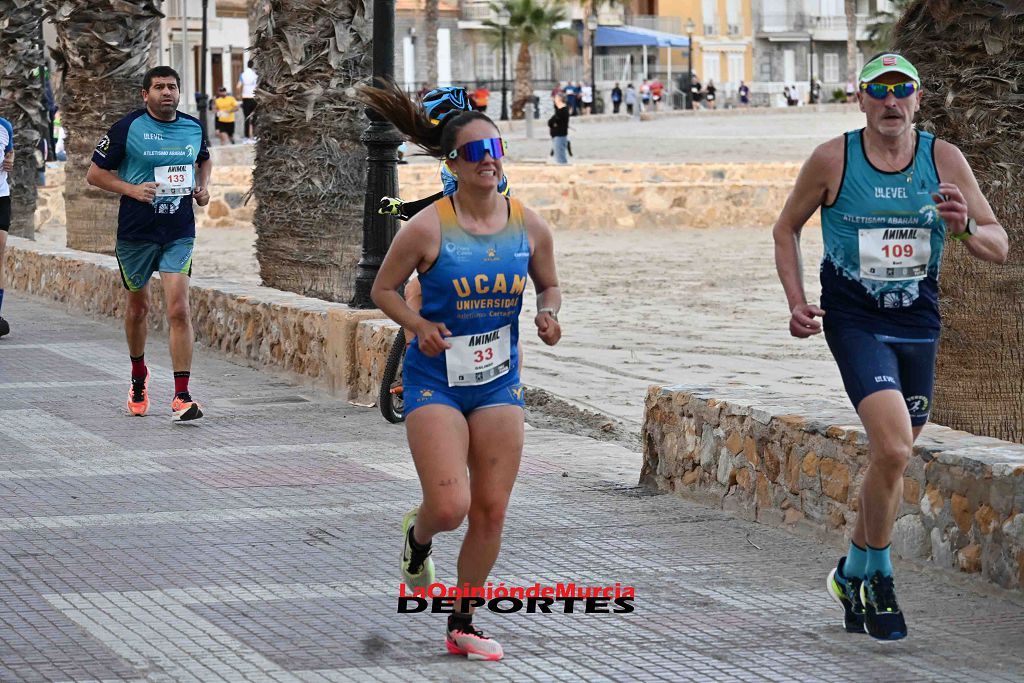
(970, 230)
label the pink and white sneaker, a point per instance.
(470, 641)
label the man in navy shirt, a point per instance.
(156, 158)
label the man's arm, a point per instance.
(202, 190)
(809, 193)
(111, 182)
(964, 199)
(8, 162)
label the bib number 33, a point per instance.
(475, 359)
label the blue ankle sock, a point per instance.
(1, 298)
(856, 562)
(878, 561)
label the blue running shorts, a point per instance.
(463, 399)
(139, 260)
(872, 362)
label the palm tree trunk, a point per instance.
(851, 40)
(430, 21)
(103, 49)
(310, 174)
(971, 54)
(524, 81)
(21, 103)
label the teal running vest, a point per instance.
(883, 244)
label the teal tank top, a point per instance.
(883, 244)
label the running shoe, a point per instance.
(185, 409)
(417, 569)
(471, 641)
(882, 616)
(846, 591)
(138, 395)
(5, 328)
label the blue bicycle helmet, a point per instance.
(440, 102)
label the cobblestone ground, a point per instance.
(261, 544)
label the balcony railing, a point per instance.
(656, 23)
(476, 11)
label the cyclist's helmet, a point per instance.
(440, 102)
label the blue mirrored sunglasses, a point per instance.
(475, 151)
(880, 91)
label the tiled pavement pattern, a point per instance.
(261, 544)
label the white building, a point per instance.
(227, 39)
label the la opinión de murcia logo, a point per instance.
(566, 598)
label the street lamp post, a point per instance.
(202, 97)
(502, 19)
(592, 27)
(689, 63)
(382, 140)
(811, 76)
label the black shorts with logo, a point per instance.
(5, 213)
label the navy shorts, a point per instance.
(872, 362)
(5, 213)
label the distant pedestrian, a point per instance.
(630, 99)
(696, 94)
(657, 92)
(570, 97)
(247, 83)
(712, 94)
(481, 98)
(558, 126)
(851, 92)
(616, 98)
(744, 93)
(577, 107)
(587, 97)
(645, 95)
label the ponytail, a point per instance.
(391, 102)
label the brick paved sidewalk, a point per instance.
(261, 544)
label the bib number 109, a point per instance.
(898, 250)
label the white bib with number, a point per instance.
(173, 180)
(476, 359)
(895, 253)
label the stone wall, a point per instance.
(586, 196)
(257, 325)
(758, 455)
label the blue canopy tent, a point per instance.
(634, 36)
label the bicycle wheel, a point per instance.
(391, 402)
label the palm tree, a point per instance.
(882, 26)
(971, 58)
(430, 12)
(850, 7)
(310, 173)
(103, 49)
(21, 103)
(532, 23)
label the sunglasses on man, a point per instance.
(476, 150)
(880, 91)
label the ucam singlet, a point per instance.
(475, 287)
(883, 245)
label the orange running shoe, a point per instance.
(185, 409)
(138, 395)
